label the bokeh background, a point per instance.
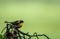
(41, 16)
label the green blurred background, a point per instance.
(41, 16)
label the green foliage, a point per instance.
(2, 37)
